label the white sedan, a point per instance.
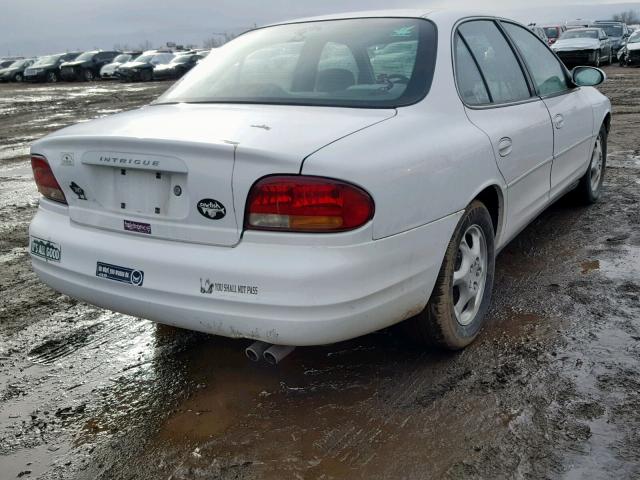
(305, 186)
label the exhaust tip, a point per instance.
(255, 351)
(276, 353)
(270, 358)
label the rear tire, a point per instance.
(146, 75)
(590, 187)
(456, 310)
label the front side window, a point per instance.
(498, 63)
(548, 75)
(469, 80)
(368, 62)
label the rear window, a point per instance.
(552, 32)
(369, 62)
(580, 34)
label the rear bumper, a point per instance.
(285, 294)
(38, 77)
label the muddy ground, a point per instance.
(550, 390)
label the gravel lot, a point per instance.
(550, 390)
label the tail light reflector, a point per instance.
(296, 203)
(45, 180)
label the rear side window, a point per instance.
(498, 63)
(470, 82)
(548, 75)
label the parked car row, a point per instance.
(91, 65)
(585, 42)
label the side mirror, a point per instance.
(588, 76)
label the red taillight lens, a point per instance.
(307, 204)
(46, 182)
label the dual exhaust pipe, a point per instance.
(272, 354)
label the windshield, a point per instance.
(612, 30)
(144, 58)
(552, 32)
(86, 56)
(373, 62)
(18, 63)
(635, 38)
(122, 58)
(580, 34)
(49, 60)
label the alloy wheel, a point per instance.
(470, 275)
(597, 163)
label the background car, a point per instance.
(47, 69)
(553, 32)
(584, 46)
(141, 68)
(109, 70)
(617, 32)
(87, 65)
(540, 32)
(177, 67)
(579, 23)
(15, 71)
(629, 54)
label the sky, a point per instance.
(37, 27)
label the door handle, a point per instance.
(505, 146)
(558, 121)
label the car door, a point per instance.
(569, 108)
(499, 101)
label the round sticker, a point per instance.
(211, 209)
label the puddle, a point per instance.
(624, 266)
(623, 159)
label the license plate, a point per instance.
(142, 191)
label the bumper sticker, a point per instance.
(120, 274)
(137, 227)
(49, 251)
(208, 287)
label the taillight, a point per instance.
(296, 203)
(46, 182)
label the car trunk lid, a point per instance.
(171, 171)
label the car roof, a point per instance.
(445, 15)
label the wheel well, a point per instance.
(607, 122)
(492, 199)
